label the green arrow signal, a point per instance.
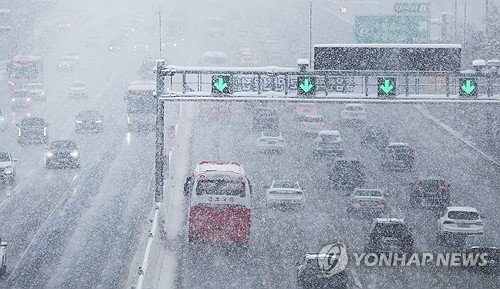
(306, 86)
(468, 87)
(387, 87)
(220, 84)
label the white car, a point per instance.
(285, 193)
(366, 201)
(141, 47)
(78, 89)
(37, 92)
(353, 112)
(459, 221)
(72, 56)
(271, 140)
(3, 121)
(328, 142)
(7, 168)
(3, 257)
(305, 109)
(312, 124)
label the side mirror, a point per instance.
(14, 160)
(482, 216)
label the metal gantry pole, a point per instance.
(160, 140)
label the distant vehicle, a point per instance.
(3, 121)
(62, 154)
(23, 69)
(36, 90)
(398, 156)
(89, 121)
(66, 63)
(7, 168)
(3, 257)
(284, 193)
(219, 203)
(483, 244)
(72, 56)
(376, 136)
(459, 221)
(32, 130)
(115, 45)
(433, 192)
(312, 124)
(213, 59)
(353, 112)
(305, 109)
(141, 105)
(78, 89)
(141, 47)
(271, 141)
(389, 235)
(265, 118)
(247, 58)
(329, 143)
(215, 27)
(366, 201)
(346, 173)
(21, 99)
(147, 70)
(311, 275)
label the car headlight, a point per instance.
(78, 121)
(74, 154)
(98, 121)
(28, 99)
(49, 154)
(13, 99)
(2, 118)
(42, 93)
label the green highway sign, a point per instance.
(386, 87)
(392, 29)
(468, 87)
(222, 84)
(306, 85)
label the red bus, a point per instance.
(24, 69)
(220, 197)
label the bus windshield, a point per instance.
(221, 186)
(141, 102)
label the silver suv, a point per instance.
(7, 167)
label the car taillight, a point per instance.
(305, 122)
(387, 153)
(314, 110)
(443, 188)
(323, 124)
(354, 201)
(411, 154)
(418, 187)
(381, 202)
(371, 237)
(298, 110)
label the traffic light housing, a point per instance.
(222, 84)
(306, 85)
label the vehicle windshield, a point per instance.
(21, 93)
(141, 102)
(4, 157)
(368, 193)
(285, 184)
(226, 187)
(63, 145)
(33, 122)
(391, 229)
(78, 84)
(431, 183)
(89, 114)
(313, 119)
(354, 108)
(271, 133)
(34, 86)
(329, 138)
(463, 215)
